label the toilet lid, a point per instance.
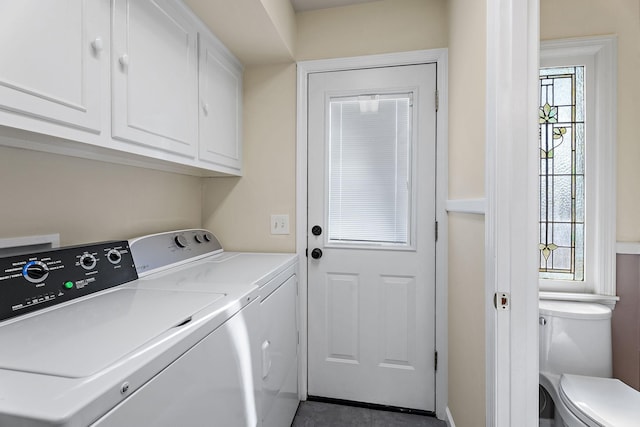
(601, 402)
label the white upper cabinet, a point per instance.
(154, 76)
(50, 61)
(119, 81)
(220, 107)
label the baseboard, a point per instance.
(449, 418)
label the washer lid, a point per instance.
(601, 402)
(574, 310)
(82, 338)
(221, 273)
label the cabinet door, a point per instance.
(220, 108)
(50, 60)
(154, 72)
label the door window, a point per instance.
(369, 170)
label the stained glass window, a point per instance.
(562, 177)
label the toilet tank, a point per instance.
(575, 338)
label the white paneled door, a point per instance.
(372, 235)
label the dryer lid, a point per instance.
(82, 338)
(600, 402)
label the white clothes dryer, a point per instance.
(84, 342)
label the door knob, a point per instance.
(316, 230)
(316, 253)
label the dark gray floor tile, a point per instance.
(320, 414)
(395, 419)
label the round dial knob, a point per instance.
(35, 271)
(199, 238)
(207, 237)
(181, 241)
(114, 256)
(88, 261)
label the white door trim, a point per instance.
(438, 56)
(511, 212)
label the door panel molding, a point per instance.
(342, 300)
(440, 58)
(397, 325)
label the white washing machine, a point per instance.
(203, 337)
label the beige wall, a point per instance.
(372, 28)
(238, 210)
(87, 201)
(466, 320)
(241, 207)
(572, 18)
(467, 77)
(284, 20)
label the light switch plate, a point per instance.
(280, 224)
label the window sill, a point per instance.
(608, 300)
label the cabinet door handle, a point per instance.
(96, 44)
(124, 60)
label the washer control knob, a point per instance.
(199, 238)
(88, 261)
(181, 241)
(114, 256)
(35, 271)
(207, 237)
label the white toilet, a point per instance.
(575, 367)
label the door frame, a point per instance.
(513, 36)
(440, 58)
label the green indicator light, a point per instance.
(68, 285)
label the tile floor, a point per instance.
(320, 414)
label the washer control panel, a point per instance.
(157, 251)
(38, 280)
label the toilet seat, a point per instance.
(600, 402)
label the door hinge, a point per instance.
(437, 100)
(435, 361)
(306, 252)
(436, 231)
